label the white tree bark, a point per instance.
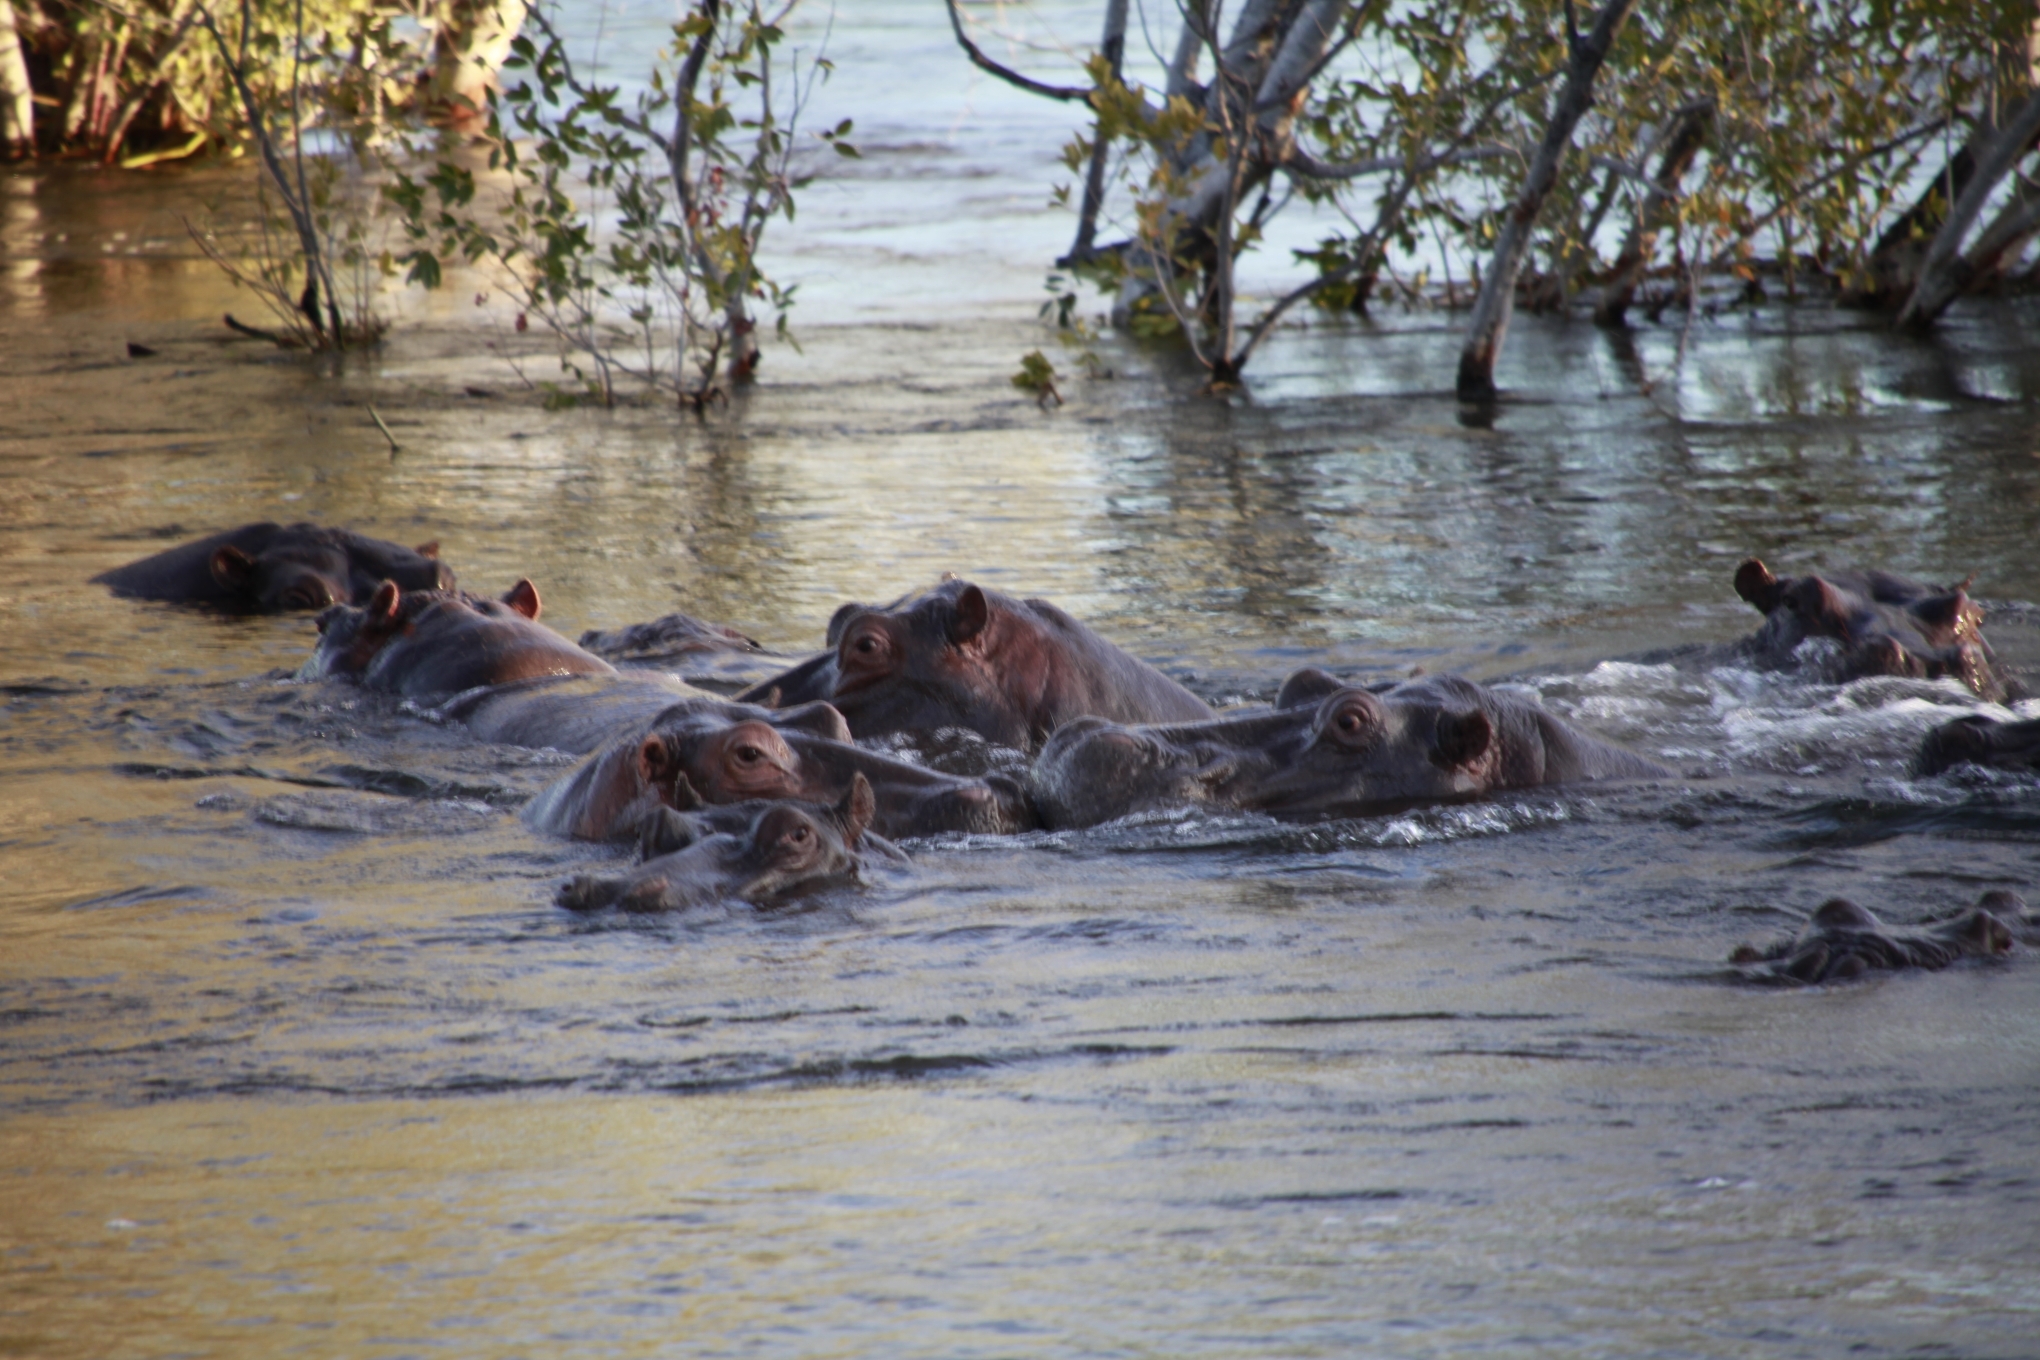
(17, 104)
(469, 45)
(1947, 271)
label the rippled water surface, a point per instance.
(297, 1057)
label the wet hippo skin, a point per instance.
(709, 751)
(1977, 740)
(272, 567)
(963, 656)
(788, 846)
(1843, 940)
(1883, 625)
(1325, 750)
(427, 642)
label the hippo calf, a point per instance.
(270, 567)
(707, 751)
(963, 656)
(426, 642)
(785, 847)
(1843, 941)
(1326, 749)
(1883, 625)
(1977, 740)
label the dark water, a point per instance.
(297, 1057)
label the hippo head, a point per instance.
(351, 636)
(704, 754)
(1883, 624)
(1976, 740)
(305, 567)
(788, 846)
(1327, 749)
(947, 658)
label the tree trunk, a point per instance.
(1895, 259)
(1946, 272)
(1682, 148)
(469, 44)
(1112, 47)
(1497, 294)
(1266, 64)
(17, 104)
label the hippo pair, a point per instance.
(269, 567)
(1881, 624)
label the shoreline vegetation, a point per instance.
(1644, 156)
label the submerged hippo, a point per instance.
(1843, 940)
(1326, 749)
(670, 637)
(1977, 740)
(784, 847)
(709, 751)
(424, 642)
(963, 656)
(1883, 625)
(270, 567)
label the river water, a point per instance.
(297, 1057)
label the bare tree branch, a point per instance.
(1006, 73)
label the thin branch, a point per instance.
(1306, 166)
(1006, 73)
(1790, 200)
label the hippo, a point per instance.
(1843, 941)
(709, 751)
(270, 567)
(965, 657)
(784, 846)
(713, 655)
(1977, 740)
(1883, 624)
(667, 638)
(1326, 749)
(428, 642)
(575, 713)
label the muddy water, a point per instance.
(297, 1057)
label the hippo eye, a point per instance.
(749, 755)
(798, 835)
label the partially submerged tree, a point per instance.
(1561, 159)
(135, 82)
(631, 228)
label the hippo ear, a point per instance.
(1463, 738)
(1943, 615)
(654, 765)
(233, 568)
(840, 620)
(1755, 583)
(817, 717)
(1307, 686)
(663, 830)
(382, 606)
(523, 597)
(972, 613)
(857, 809)
(430, 550)
(1839, 913)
